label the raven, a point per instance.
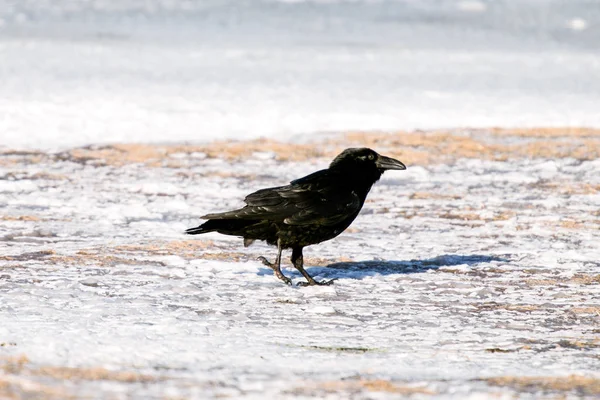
(309, 210)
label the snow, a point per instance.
(421, 301)
(492, 271)
(78, 73)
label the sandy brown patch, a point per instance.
(481, 273)
(577, 279)
(118, 154)
(13, 364)
(45, 176)
(139, 254)
(503, 215)
(159, 155)
(493, 306)
(424, 148)
(92, 374)
(467, 214)
(319, 261)
(9, 158)
(224, 256)
(183, 248)
(21, 378)
(461, 216)
(523, 227)
(581, 385)
(21, 364)
(209, 250)
(542, 282)
(413, 148)
(581, 188)
(585, 279)
(499, 350)
(362, 385)
(548, 132)
(85, 258)
(565, 188)
(232, 150)
(579, 344)
(35, 255)
(189, 249)
(17, 388)
(585, 310)
(5, 392)
(217, 174)
(29, 218)
(571, 224)
(432, 196)
(129, 254)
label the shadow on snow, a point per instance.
(361, 269)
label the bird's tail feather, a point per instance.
(196, 231)
(226, 226)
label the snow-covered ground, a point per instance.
(472, 274)
(461, 279)
(84, 72)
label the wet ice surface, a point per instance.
(451, 273)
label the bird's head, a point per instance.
(362, 167)
(365, 159)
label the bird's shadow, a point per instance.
(362, 269)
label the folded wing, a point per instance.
(318, 200)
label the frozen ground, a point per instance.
(84, 72)
(468, 276)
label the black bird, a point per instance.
(309, 210)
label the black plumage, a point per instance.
(309, 210)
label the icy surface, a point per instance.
(81, 72)
(451, 274)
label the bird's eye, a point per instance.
(371, 157)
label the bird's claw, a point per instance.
(265, 261)
(284, 278)
(316, 283)
(276, 270)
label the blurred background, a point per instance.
(100, 71)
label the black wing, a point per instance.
(315, 199)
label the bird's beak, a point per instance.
(385, 163)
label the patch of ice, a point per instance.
(321, 310)
(172, 260)
(23, 186)
(577, 24)
(156, 188)
(93, 282)
(473, 6)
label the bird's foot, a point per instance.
(276, 270)
(312, 282)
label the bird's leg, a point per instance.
(298, 261)
(276, 266)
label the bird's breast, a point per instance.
(306, 235)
